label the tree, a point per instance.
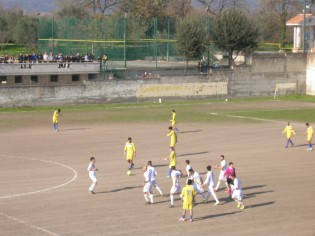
(216, 7)
(179, 8)
(191, 37)
(278, 11)
(234, 32)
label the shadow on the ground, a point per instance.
(255, 186)
(191, 131)
(120, 189)
(215, 215)
(259, 205)
(249, 195)
(191, 154)
(62, 130)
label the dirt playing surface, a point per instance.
(44, 182)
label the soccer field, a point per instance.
(44, 182)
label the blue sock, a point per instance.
(183, 216)
(287, 143)
(191, 217)
(291, 142)
(169, 172)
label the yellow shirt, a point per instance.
(188, 193)
(289, 131)
(309, 133)
(172, 159)
(173, 138)
(130, 149)
(173, 119)
(55, 117)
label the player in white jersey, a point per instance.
(210, 181)
(147, 186)
(197, 181)
(152, 174)
(222, 168)
(176, 187)
(237, 194)
(92, 174)
(188, 167)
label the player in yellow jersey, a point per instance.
(55, 119)
(288, 130)
(130, 152)
(187, 195)
(172, 159)
(173, 136)
(309, 132)
(173, 121)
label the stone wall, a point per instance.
(260, 77)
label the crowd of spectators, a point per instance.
(47, 57)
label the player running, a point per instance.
(210, 182)
(173, 121)
(172, 159)
(237, 194)
(173, 136)
(147, 186)
(222, 169)
(176, 187)
(309, 132)
(55, 119)
(288, 130)
(92, 174)
(197, 182)
(228, 173)
(152, 174)
(130, 152)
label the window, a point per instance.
(34, 79)
(92, 76)
(54, 78)
(75, 78)
(18, 79)
(3, 79)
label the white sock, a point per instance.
(92, 187)
(158, 189)
(151, 197)
(172, 199)
(145, 197)
(218, 184)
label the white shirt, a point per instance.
(224, 165)
(195, 176)
(146, 176)
(152, 173)
(91, 169)
(175, 176)
(188, 167)
(237, 184)
(209, 179)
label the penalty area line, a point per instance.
(245, 117)
(27, 224)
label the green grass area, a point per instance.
(196, 111)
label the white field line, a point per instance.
(47, 189)
(27, 224)
(255, 118)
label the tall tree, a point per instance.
(216, 7)
(179, 8)
(191, 37)
(279, 11)
(233, 32)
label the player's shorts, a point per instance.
(129, 159)
(176, 189)
(93, 178)
(153, 183)
(237, 194)
(172, 144)
(309, 138)
(198, 188)
(187, 206)
(221, 176)
(55, 121)
(147, 187)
